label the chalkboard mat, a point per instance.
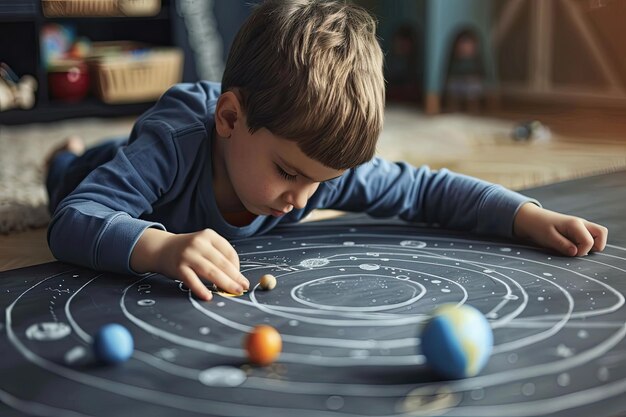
(352, 294)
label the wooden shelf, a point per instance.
(22, 21)
(58, 110)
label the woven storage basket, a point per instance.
(133, 79)
(103, 8)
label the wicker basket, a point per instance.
(132, 78)
(102, 8)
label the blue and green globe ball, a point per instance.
(457, 341)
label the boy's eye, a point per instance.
(285, 174)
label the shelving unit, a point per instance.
(21, 22)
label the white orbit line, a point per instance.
(174, 338)
(167, 367)
(399, 319)
(598, 312)
(369, 316)
(562, 319)
(378, 317)
(315, 341)
(348, 314)
(567, 401)
(70, 318)
(529, 260)
(580, 394)
(130, 391)
(426, 254)
(548, 405)
(192, 404)
(568, 363)
(515, 344)
(577, 393)
(556, 327)
(499, 348)
(240, 353)
(410, 237)
(525, 341)
(192, 373)
(614, 247)
(574, 393)
(137, 354)
(312, 341)
(416, 296)
(537, 337)
(602, 263)
(533, 324)
(409, 251)
(431, 238)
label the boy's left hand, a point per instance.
(568, 235)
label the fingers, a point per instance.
(194, 283)
(206, 256)
(599, 235)
(215, 268)
(231, 267)
(561, 244)
(226, 248)
(576, 232)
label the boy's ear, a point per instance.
(227, 112)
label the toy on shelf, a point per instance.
(64, 55)
(16, 92)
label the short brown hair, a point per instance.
(311, 71)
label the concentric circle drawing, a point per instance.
(349, 304)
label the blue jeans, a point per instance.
(67, 170)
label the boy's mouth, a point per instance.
(278, 213)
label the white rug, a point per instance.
(23, 149)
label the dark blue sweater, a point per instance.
(162, 178)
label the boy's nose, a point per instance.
(297, 199)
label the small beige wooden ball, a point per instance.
(267, 282)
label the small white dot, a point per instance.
(603, 374)
(528, 389)
(477, 394)
(563, 379)
(334, 402)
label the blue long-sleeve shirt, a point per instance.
(162, 178)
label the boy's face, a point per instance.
(271, 175)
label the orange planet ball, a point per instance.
(263, 345)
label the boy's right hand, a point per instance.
(191, 258)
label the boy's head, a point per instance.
(310, 71)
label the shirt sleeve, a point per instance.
(454, 201)
(97, 225)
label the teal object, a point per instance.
(113, 344)
(457, 341)
(444, 19)
(436, 23)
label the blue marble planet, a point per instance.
(457, 341)
(113, 344)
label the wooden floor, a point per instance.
(506, 163)
(24, 249)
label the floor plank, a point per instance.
(24, 249)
